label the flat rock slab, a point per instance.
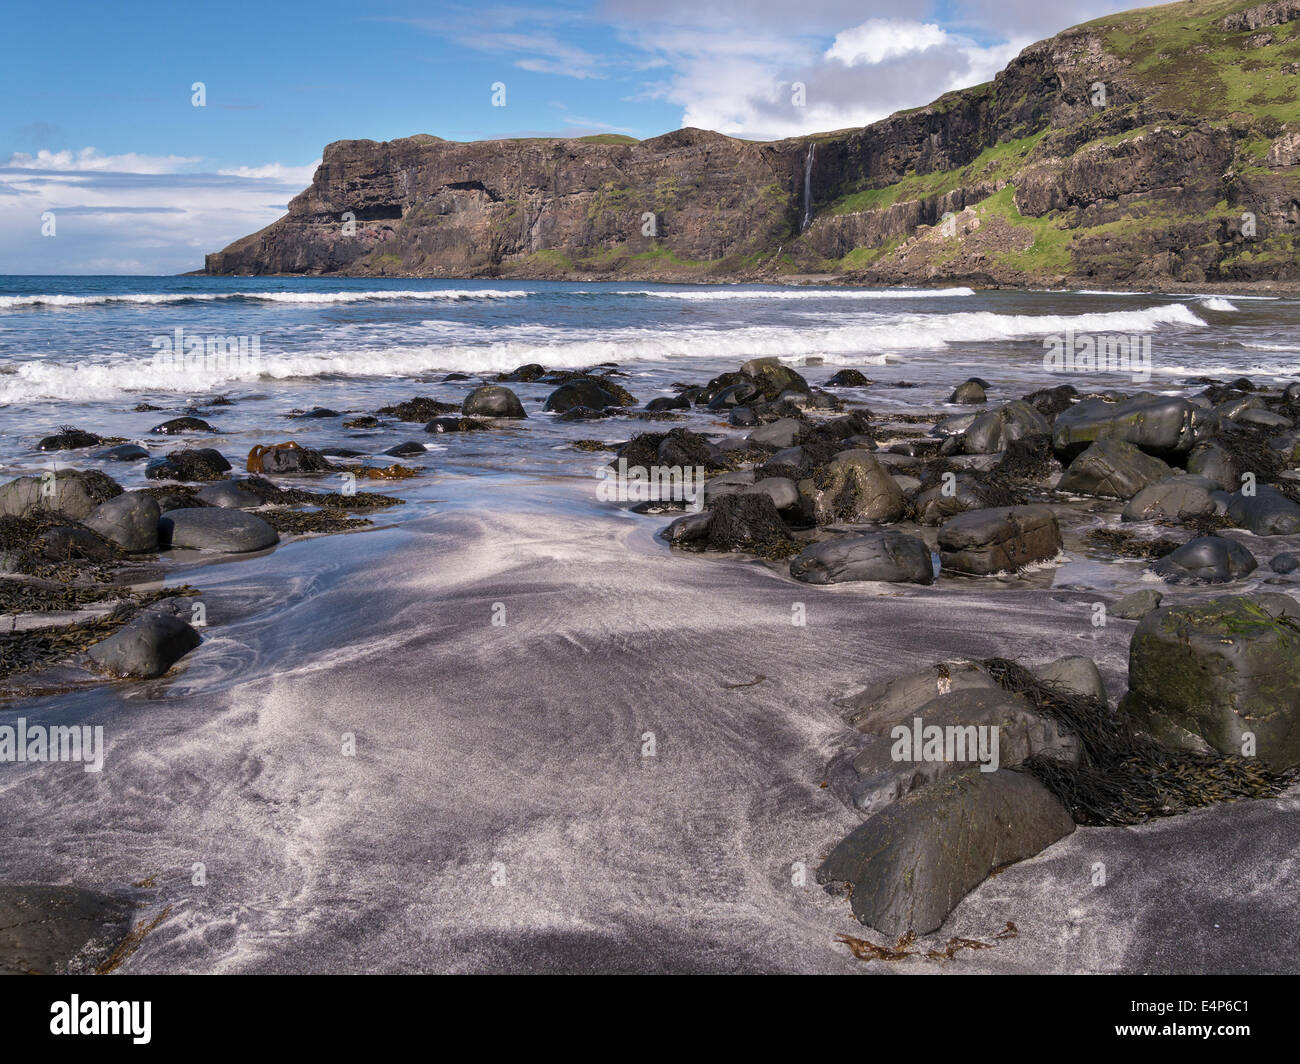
(992, 727)
(1158, 424)
(58, 930)
(1002, 539)
(1114, 469)
(879, 707)
(911, 863)
(894, 557)
(215, 528)
(1204, 674)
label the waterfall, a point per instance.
(807, 187)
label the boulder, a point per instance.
(779, 434)
(889, 556)
(854, 487)
(1266, 513)
(1003, 539)
(848, 378)
(69, 439)
(991, 432)
(202, 463)
(1286, 562)
(229, 493)
(216, 529)
(772, 377)
(967, 492)
(130, 520)
(1177, 498)
(406, 450)
(147, 647)
(1137, 605)
(492, 400)
(1158, 424)
(1007, 732)
(1205, 674)
(178, 425)
(1114, 469)
(67, 542)
(1206, 560)
(1075, 673)
(283, 460)
(912, 862)
(968, 393)
(734, 522)
(440, 425)
(1211, 461)
(579, 392)
(73, 492)
(123, 452)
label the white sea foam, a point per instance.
(152, 298)
(711, 294)
(1216, 303)
(856, 344)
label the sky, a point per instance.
(142, 135)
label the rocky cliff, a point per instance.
(1156, 146)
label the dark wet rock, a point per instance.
(130, 520)
(781, 490)
(1203, 675)
(1137, 605)
(147, 647)
(201, 463)
(64, 543)
(735, 395)
(742, 417)
(406, 450)
(736, 522)
(583, 391)
(1265, 418)
(74, 492)
(492, 400)
(1002, 539)
(854, 487)
(848, 378)
(1074, 673)
(890, 556)
(231, 494)
(123, 452)
(969, 392)
(1114, 469)
(525, 374)
(1051, 401)
(779, 434)
(365, 421)
(421, 408)
(957, 494)
(1206, 560)
(57, 930)
(454, 424)
(772, 377)
(1286, 562)
(1212, 461)
(882, 778)
(1029, 458)
(215, 529)
(455, 376)
(912, 862)
(665, 402)
(1266, 513)
(178, 425)
(954, 426)
(1174, 499)
(1156, 423)
(686, 449)
(319, 412)
(295, 459)
(69, 439)
(992, 431)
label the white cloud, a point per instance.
(291, 175)
(879, 39)
(91, 159)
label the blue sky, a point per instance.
(98, 126)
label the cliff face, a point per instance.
(1158, 145)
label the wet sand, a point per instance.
(499, 814)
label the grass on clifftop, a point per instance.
(1187, 62)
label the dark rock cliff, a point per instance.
(1158, 145)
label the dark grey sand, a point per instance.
(515, 753)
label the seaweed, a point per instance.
(1125, 776)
